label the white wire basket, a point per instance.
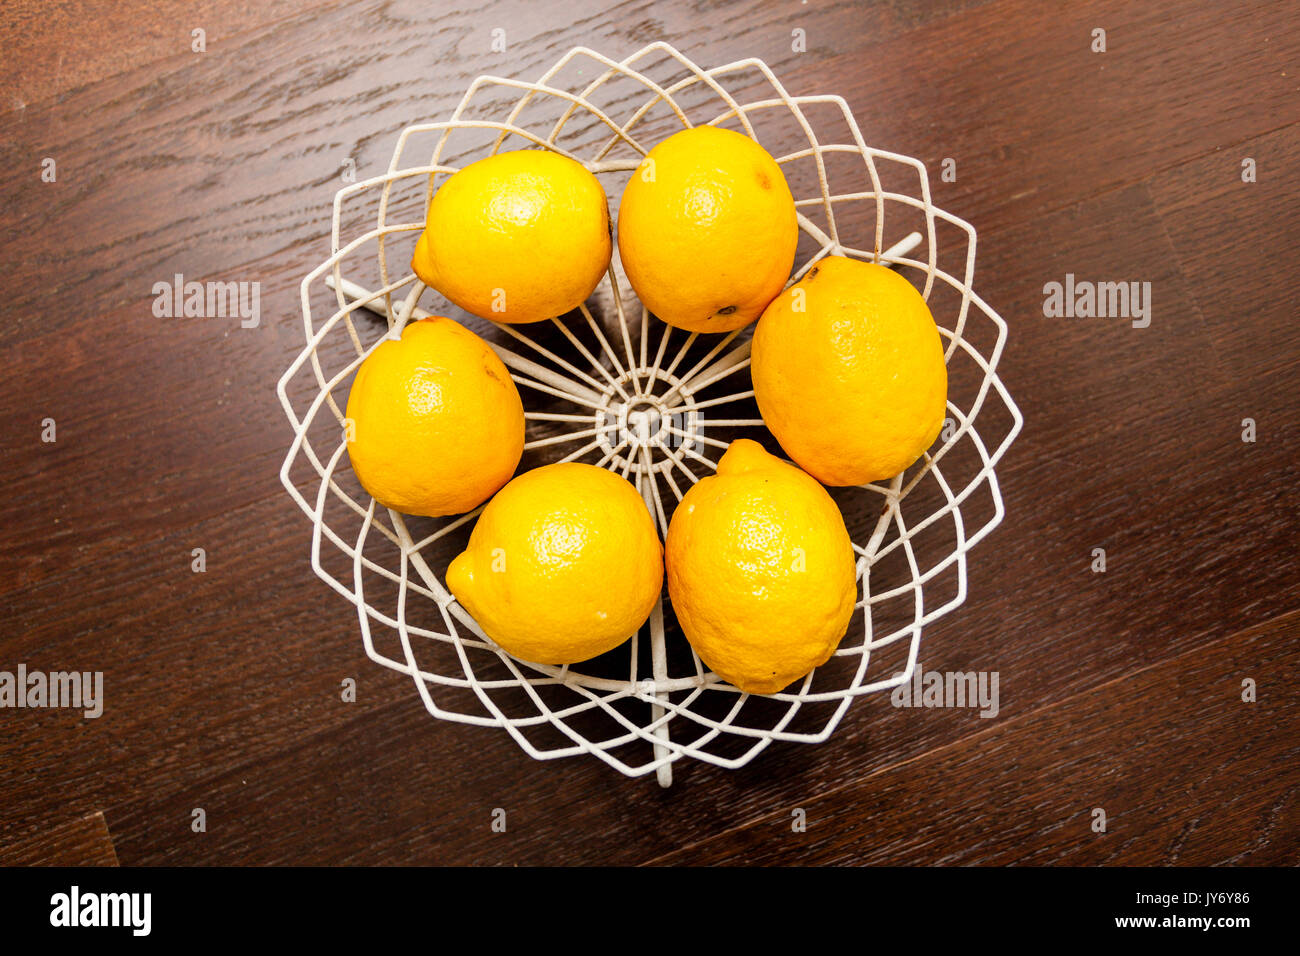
(615, 387)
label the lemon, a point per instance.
(436, 424)
(848, 372)
(564, 564)
(761, 571)
(707, 230)
(516, 237)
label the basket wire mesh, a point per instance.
(615, 388)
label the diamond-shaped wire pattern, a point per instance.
(588, 382)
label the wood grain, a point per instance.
(223, 687)
(51, 49)
(80, 842)
(1147, 605)
(1162, 752)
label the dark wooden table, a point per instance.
(1120, 690)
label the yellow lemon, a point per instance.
(564, 564)
(516, 237)
(761, 571)
(707, 230)
(436, 424)
(848, 372)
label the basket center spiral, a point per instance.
(647, 423)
